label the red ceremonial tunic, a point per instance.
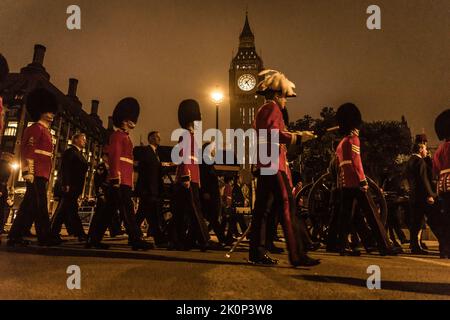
(441, 167)
(227, 197)
(120, 158)
(269, 117)
(189, 170)
(37, 151)
(351, 172)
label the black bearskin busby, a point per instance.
(188, 111)
(4, 69)
(348, 117)
(421, 139)
(126, 110)
(442, 125)
(41, 101)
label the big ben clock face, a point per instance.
(246, 82)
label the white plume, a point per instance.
(276, 81)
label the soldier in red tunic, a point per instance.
(120, 160)
(190, 226)
(274, 186)
(353, 183)
(441, 167)
(36, 161)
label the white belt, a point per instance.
(445, 171)
(43, 152)
(345, 162)
(127, 160)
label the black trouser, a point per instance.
(189, 223)
(212, 208)
(33, 209)
(349, 198)
(393, 224)
(438, 218)
(150, 210)
(117, 198)
(274, 196)
(67, 213)
(419, 210)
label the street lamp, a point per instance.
(217, 98)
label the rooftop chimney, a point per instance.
(73, 83)
(37, 65)
(39, 54)
(94, 107)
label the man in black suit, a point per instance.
(421, 194)
(210, 194)
(149, 187)
(73, 172)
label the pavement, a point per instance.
(120, 273)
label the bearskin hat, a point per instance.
(421, 138)
(126, 110)
(275, 81)
(442, 125)
(4, 69)
(348, 117)
(41, 101)
(188, 111)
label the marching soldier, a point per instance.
(190, 225)
(36, 158)
(274, 187)
(73, 172)
(120, 178)
(441, 166)
(210, 195)
(353, 184)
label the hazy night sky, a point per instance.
(164, 51)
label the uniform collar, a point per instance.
(417, 155)
(123, 131)
(44, 124)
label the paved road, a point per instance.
(40, 273)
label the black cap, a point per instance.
(4, 69)
(442, 125)
(41, 101)
(127, 109)
(348, 117)
(188, 111)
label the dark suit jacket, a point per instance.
(73, 170)
(420, 187)
(210, 181)
(149, 181)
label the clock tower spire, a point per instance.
(243, 78)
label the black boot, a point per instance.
(141, 245)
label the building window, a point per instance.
(11, 129)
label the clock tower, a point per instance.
(243, 79)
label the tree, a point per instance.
(382, 142)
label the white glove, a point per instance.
(28, 178)
(307, 135)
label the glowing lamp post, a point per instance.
(217, 98)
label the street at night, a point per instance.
(40, 273)
(255, 155)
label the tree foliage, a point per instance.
(382, 142)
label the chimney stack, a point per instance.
(94, 107)
(39, 54)
(110, 123)
(73, 83)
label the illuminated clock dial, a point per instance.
(246, 82)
